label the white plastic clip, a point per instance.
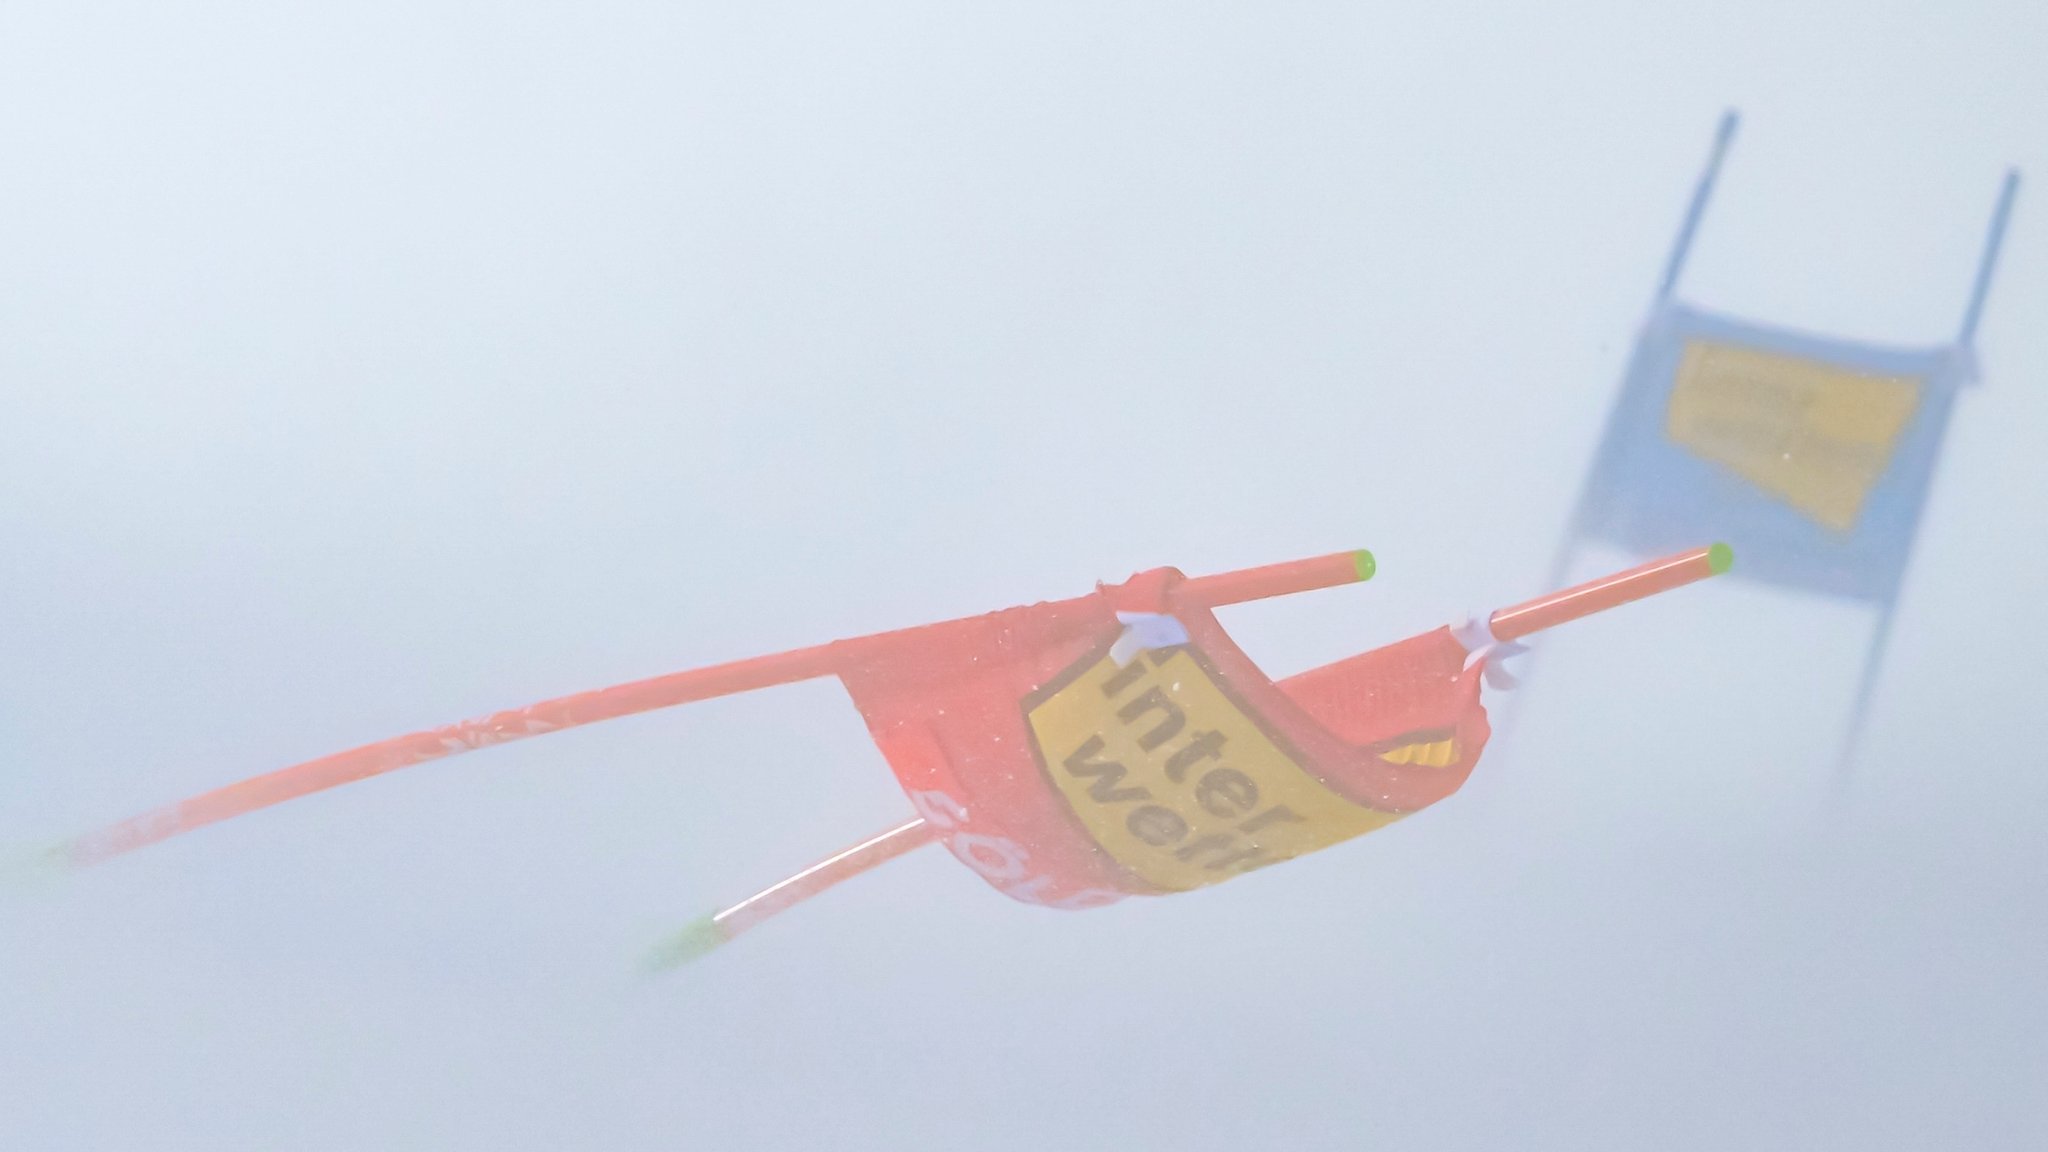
(1482, 647)
(1144, 631)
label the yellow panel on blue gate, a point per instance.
(1814, 435)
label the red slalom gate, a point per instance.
(1071, 752)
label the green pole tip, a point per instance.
(701, 936)
(1363, 564)
(33, 870)
(1720, 558)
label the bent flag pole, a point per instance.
(1072, 752)
(1504, 627)
(563, 713)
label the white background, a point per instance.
(369, 366)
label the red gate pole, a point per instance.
(629, 699)
(1607, 592)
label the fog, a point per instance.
(370, 366)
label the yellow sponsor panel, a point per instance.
(1175, 781)
(1428, 753)
(1812, 434)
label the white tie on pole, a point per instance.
(1144, 631)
